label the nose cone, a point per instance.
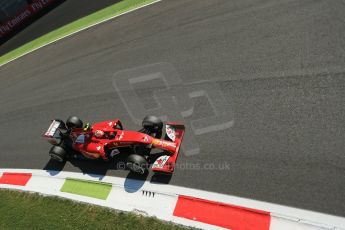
(133, 136)
(166, 145)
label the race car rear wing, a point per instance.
(52, 135)
(173, 140)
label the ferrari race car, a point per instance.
(107, 139)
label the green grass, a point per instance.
(99, 190)
(84, 22)
(22, 210)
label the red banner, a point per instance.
(22, 16)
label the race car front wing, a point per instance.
(166, 163)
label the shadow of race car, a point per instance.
(107, 139)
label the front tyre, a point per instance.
(137, 163)
(57, 153)
(152, 123)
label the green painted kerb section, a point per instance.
(95, 189)
(85, 22)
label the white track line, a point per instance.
(84, 28)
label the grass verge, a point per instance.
(22, 210)
(85, 22)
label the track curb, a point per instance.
(189, 207)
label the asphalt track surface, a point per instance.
(278, 64)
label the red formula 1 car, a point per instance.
(107, 139)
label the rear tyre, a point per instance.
(137, 163)
(57, 153)
(74, 122)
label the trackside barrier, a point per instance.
(14, 22)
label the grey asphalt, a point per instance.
(276, 66)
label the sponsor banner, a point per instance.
(22, 16)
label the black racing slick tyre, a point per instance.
(74, 122)
(152, 123)
(57, 153)
(137, 163)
